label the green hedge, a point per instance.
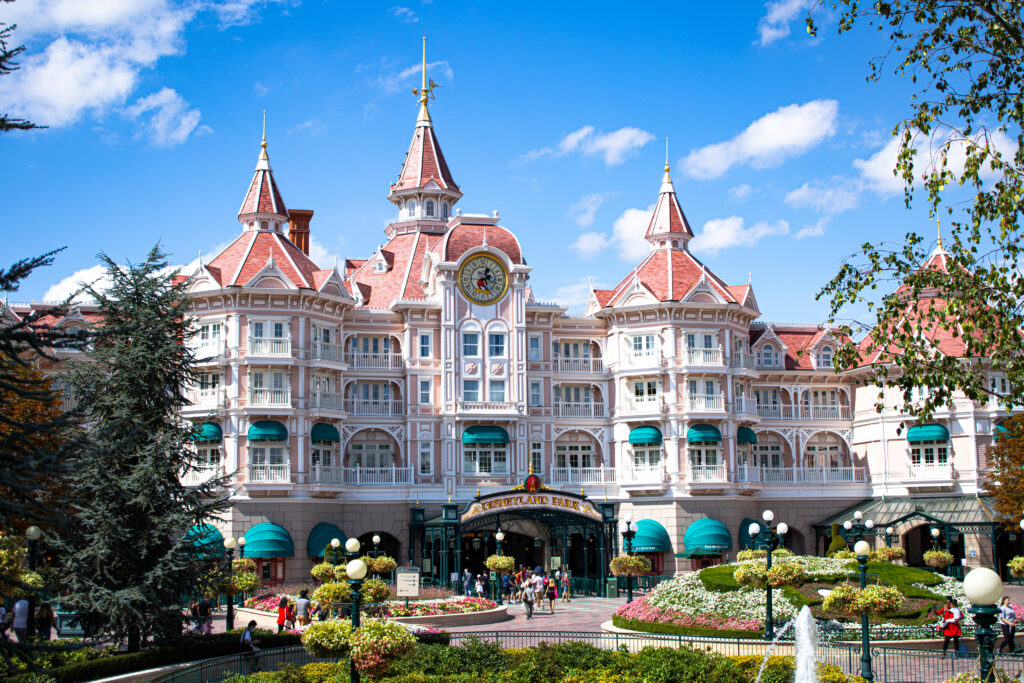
(719, 578)
(189, 648)
(672, 629)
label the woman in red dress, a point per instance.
(951, 617)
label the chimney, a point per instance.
(298, 228)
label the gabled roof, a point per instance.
(405, 253)
(424, 163)
(670, 275)
(798, 341)
(668, 217)
(263, 197)
(247, 257)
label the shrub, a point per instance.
(1016, 566)
(333, 592)
(938, 559)
(887, 554)
(630, 565)
(744, 555)
(375, 590)
(842, 599)
(331, 638)
(501, 564)
(383, 564)
(844, 555)
(244, 582)
(751, 574)
(323, 572)
(377, 644)
(880, 599)
(786, 574)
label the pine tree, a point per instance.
(7, 66)
(128, 563)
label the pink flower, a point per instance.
(640, 610)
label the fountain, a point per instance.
(806, 647)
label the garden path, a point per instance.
(579, 614)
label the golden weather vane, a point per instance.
(426, 90)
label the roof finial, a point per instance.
(426, 89)
(666, 155)
(938, 226)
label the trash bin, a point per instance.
(613, 588)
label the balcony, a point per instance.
(204, 349)
(928, 475)
(270, 398)
(642, 404)
(363, 476)
(705, 403)
(644, 477)
(269, 474)
(374, 407)
(269, 347)
(641, 358)
(745, 405)
(742, 361)
(374, 361)
(800, 475)
(488, 407)
(328, 352)
(200, 475)
(326, 400)
(580, 365)
(703, 357)
(579, 409)
(583, 475)
(205, 398)
(778, 411)
(704, 474)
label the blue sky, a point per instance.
(554, 114)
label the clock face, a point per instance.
(483, 279)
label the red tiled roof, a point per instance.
(668, 217)
(670, 274)
(424, 162)
(249, 253)
(466, 236)
(602, 296)
(263, 196)
(798, 341)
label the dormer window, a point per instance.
(430, 208)
(768, 356)
(411, 206)
(379, 266)
(264, 225)
(445, 210)
(825, 357)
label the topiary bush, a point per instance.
(330, 638)
(376, 644)
(838, 542)
(333, 592)
(323, 572)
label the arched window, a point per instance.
(825, 358)
(445, 210)
(430, 208)
(411, 206)
(768, 357)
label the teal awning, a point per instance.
(746, 435)
(932, 432)
(651, 538)
(1000, 431)
(645, 434)
(268, 540)
(485, 434)
(324, 432)
(709, 534)
(746, 542)
(267, 430)
(207, 432)
(699, 552)
(321, 536)
(207, 541)
(703, 433)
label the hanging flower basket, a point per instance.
(887, 554)
(501, 564)
(938, 559)
(877, 600)
(1016, 566)
(786, 574)
(323, 572)
(630, 565)
(384, 564)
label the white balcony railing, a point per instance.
(744, 360)
(206, 348)
(374, 407)
(705, 402)
(200, 475)
(205, 398)
(930, 472)
(641, 358)
(492, 407)
(642, 404)
(703, 356)
(707, 473)
(745, 404)
(270, 474)
(281, 398)
(800, 475)
(269, 346)
(326, 400)
(775, 411)
(585, 365)
(584, 409)
(325, 351)
(778, 411)
(582, 475)
(374, 361)
(643, 474)
(362, 476)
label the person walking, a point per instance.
(46, 622)
(20, 624)
(205, 609)
(552, 593)
(566, 585)
(1008, 624)
(479, 586)
(506, 587)
(249, 644)
(467, 582)
(302, 608)
(951, 617)
(529, 595)
(282, 613)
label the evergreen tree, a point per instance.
(127, 562)
(7, 66)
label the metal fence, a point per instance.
(889, 664)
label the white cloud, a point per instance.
(260, 89)
(72, 283)
(590, 244)
(786, 132)
(876, 171)
(740, 192)
(311, 126)
(398, 81)
(722, 233)
(240, 12)
(614, 147)
(813, 230)
(586, 207)
(574, 295)
(321, 255)
(833, 196)
(171, 121)
(775, 23)
(404, 14)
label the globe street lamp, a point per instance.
(935, 537)
(768, 538)
(889, 533)
(32, 536)
(858, 527)
(983, 588)
(356, 571)
(335, 550)
(229, 546)
(862, 549)
(498, 538)
(376, 542)
(628, 529)
(241, 556)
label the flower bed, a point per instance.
(642, 611)
(395, 608)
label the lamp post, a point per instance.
(376, 542)
(768, 538)
(628, 529)
(983, 588)
(889, 533)
(935, 537)
(858, 527)
(498, 538)
(862, 548)
(229, 546)
(356, 571)
(241, 556)
(32, 536)
(335, 549)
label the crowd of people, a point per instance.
(529, 587)
(16, 620)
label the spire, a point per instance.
(424, 93)
(668, 224)
(938, 228)
(263, 207)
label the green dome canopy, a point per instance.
(709, 534)
(267, 430)
(485, 434)
(746, 542)
(931, 432)
(324, 432)
(746, 435)
(207, 432)
(703, 432)
(207, 541)
(651, 537)
(321, 536)
(268, 540)
(645, 434)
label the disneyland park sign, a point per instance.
(531, 501)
